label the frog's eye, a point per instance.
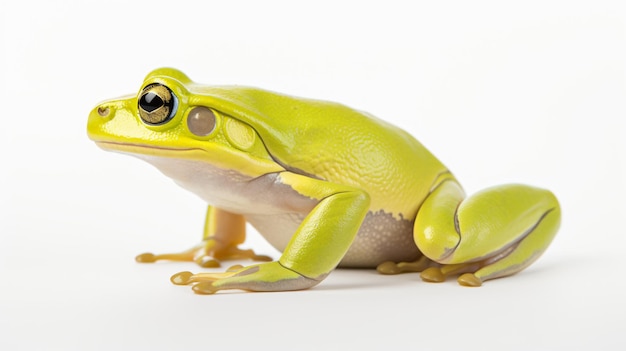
(201, 121)
(157, 104)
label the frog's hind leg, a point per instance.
(494, 233)
(223, 233)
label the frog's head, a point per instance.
(173, 117)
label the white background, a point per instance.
(532, 92)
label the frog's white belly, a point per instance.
(276, 210)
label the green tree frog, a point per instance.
(325, 184)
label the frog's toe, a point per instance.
(388, 267)
(438, 275)
(433, 275)
(186, 278)
(419, 265)
(147, 257)
(469, 279)
(181, 278)
(206, 261)
(200, 257)
(205, 288)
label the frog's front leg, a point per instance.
(223, 233)
(494, 233)
(315, 249)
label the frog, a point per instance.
(327, 185)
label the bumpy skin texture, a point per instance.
(325, 184)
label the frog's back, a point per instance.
(339, 144)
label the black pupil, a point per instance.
(150, 102)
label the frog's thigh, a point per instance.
(496, 232)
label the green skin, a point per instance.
(325, 184)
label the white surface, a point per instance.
(530, 93)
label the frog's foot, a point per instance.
(439, 274)
(419, 265)
(208, 255)
(271, 276)
(433, 272)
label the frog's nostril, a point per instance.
(103, 111)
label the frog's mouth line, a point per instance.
(112, 145)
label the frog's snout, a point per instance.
(107, 110)
(100, 116)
